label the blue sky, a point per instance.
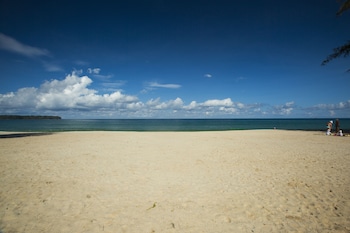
(173, 59)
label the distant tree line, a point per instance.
(21, 117)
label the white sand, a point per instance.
(233, 181)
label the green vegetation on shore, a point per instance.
(31, 117)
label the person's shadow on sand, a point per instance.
(21, 135)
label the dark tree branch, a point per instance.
(343, 51)
(344, 7)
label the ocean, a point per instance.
(168, 125)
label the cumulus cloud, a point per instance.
(10, 44)
(220, 106)
(208, 75)
(71, 93)
(193, 105)
(337, 106)
(171, 104)
(342, 108)
(285, 109)
(216, 102)
(74, 96)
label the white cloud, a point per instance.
(208, 75)
(67, 94)
(94, 70)
(103, 77)
(193, 105)
(285, 109)
(12, 45)
(158, 85)
(171, 104)
(112, 86)
(240, 105)
(73, 96)
(338, 106)
(23, 98)
(78, 72)
(341, 108)
(155, 85)
(215, 103)
(224, 106)
(289, 104)
(96, 73)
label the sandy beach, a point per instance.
(228, 181)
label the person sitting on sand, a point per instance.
(329, 127)
(340, 133)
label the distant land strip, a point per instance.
(31, 117)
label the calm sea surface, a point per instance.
(167, 125)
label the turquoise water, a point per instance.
(167, 125)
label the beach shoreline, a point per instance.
(202, 181)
